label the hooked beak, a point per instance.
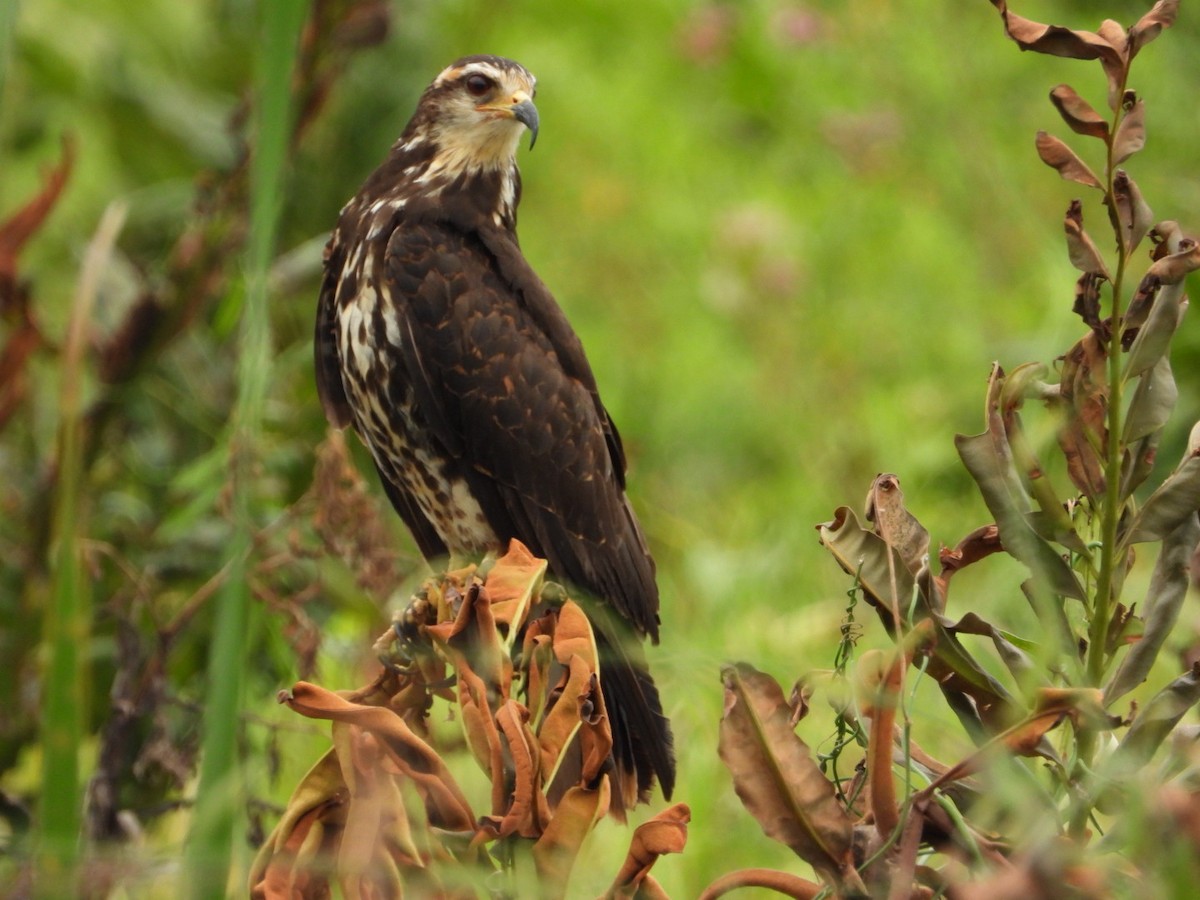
(520, 107)
(526, 113)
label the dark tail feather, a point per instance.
(643, 747)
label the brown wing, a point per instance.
(504, 387)
(325, 350)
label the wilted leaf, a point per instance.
(1161, 16)
(1173, 268)
(864, 554)
(445, 803)
(894, 523)
(1077, 112)
(1153, 402)
(556, 850)
(1056, 40)
(1131, 132)
(1167, 508)
(980, 543)
(1016, 660)
(1051, 707)
(957, 674)
(527, 812)
(512, 583)
(664, 833)
(1133, 213)
(1087, 299)
(1080, 248)
(775, 775)
(988, 459)
(1160, 610)
(289, 859)
(1061, 158)
(17, 229)
(1154, 722)
(1083, 393)
(879, 678)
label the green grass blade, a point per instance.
(68, 625)
(218, 793)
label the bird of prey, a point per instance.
(437, 341)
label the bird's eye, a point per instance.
(478, 84)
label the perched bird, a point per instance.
(437, 341)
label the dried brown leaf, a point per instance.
(662, 834)
(1173, 268)
(445, 802)
(894, 523)
(879, 677)
(1133, 213)
(1087, 300)
(556, 850)
(1078, 113)
(1084, 395)
(783, 883)
(1148, 27)
(1131, 132)
(1056, 40)
(1082, 251)
(1051, 707)
(512, 583)
(17, 229)
(775, 775)
(1058, 156)
(980, 543)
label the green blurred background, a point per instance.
(792, 236)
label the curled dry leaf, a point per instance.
(1131, 133)
(980, 543)
(1172, 269)
(512, 583)
(1148, 27)
(1084, 395)
(894, 523)
(1058, 156)
(555, 852)
(1080, 248)
(1078, 113)
(782, 883)
(662, 834)
(879, 676)
(1056, 40)
(1133, 213)
(776, 777)
(445, 802)
(1087, 300)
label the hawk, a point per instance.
(437, 341)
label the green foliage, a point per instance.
(790, 235)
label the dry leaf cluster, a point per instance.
(382, 814)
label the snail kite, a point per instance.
(437, 341)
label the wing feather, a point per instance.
(503, 383)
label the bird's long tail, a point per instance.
(643, 747)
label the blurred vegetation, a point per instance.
(793, 236)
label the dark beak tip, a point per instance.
(526, 113)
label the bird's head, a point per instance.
(475, 112)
